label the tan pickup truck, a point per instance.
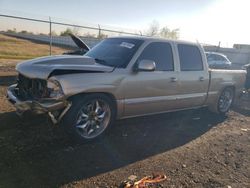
(120, 78)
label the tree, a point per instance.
(67, 32)
(76, 30)
(169, 34)
(53, 33)
(153, 28)
(89, 35)
(164, 32)
(12, 30)
(26, 32)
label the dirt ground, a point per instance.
(193, 148)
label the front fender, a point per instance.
(109, 83)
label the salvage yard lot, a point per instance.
(193, 148)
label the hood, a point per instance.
(80, 44)
(44, 67)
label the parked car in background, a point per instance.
(218, 61)
(120, 78)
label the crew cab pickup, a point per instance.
(122, 77)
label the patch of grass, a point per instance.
(14, 48)
(16, 57)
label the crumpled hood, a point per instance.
(44, 66)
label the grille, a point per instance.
(28, 88)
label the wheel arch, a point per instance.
(214, 106)
(107, 94)
(228, 86)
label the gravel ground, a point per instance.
(193, 148)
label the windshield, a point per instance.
(115, 52)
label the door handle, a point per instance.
(173, 79)
(201, 78)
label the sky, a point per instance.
(205, 21)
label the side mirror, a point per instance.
(145, 65)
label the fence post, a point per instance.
(218, 47)
(50, 34)
(99, 31)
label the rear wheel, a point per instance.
(89, 117)
(225, 100)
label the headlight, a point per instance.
(54, 89)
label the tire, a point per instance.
(89, 117)
(225, 100)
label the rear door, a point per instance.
(194, 76)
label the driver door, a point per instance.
(152, 92)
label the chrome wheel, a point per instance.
(93, 118)
(225, 100)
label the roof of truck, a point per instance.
(155, 39)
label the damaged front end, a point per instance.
(38, 96)
(37, 89)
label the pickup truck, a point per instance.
(122, 77)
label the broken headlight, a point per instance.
(54, 89)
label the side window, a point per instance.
(210, 57)
(190, 58)
(220, 58)
(161, 53)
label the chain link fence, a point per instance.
(55, 33)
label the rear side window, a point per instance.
(211, 57)
(190, 58)
(220, 58)
(161, 54)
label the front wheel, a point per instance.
(89, 117)
(225, 100)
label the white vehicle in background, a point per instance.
(217, 60)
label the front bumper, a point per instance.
(38, 107)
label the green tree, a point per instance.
(26, 32)
(75, 31)
(67, 32)
(12, 30)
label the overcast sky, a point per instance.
(206, 21)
